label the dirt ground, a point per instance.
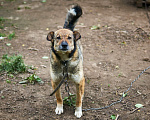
(114, 55)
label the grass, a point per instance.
(2, 24)
(12, 64)
(1, 27)
(8, 81)
(2, 19)
(71, 100)
(2, 35)
(113, 117)
(120, 75)
(12, 35)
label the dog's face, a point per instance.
(63, 40)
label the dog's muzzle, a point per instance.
(64, 46)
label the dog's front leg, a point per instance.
(80, 92)
(59, 108)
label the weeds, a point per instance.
(8, 81)
(32, 79)
(2, 19)
(88, 81)
(12, 64)
(12, 35)
(70, 100)
(113, 117)
(2, 35)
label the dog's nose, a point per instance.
(64, 45)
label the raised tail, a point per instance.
(72, 17)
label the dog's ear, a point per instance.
(76, 35)
(50, 36)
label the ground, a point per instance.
(114, 55)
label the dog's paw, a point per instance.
(78, 112)
(59, 109)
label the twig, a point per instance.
(134, 110)
(117, 117)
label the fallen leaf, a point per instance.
(139, 105)
(94, 27)
(113, 117)
(8, 44)
(45, 57)
(117, 67)
(124, 95)
(43, 1)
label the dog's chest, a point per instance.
(72, 68)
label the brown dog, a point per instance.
(66, 50)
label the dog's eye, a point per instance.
(69, 37)
(58, 37)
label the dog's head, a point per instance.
(63, 40)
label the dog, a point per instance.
(67, 50)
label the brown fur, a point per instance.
(74, 65)
(66, 58)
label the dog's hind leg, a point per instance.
(59, 108)
(80, 93)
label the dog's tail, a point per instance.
(72, 17)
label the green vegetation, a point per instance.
(2, 97)
(2, 26)
(124, 95)
(2, 35)
(32, 79)
(113, 117)
(71, 100)
(2, 20)
(139, 105)
(12, 35)
(88, 81)
(94, 27)
(12, 64)
(8, 81)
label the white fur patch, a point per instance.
(78, 112)
(59, 109)
(72, 11)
